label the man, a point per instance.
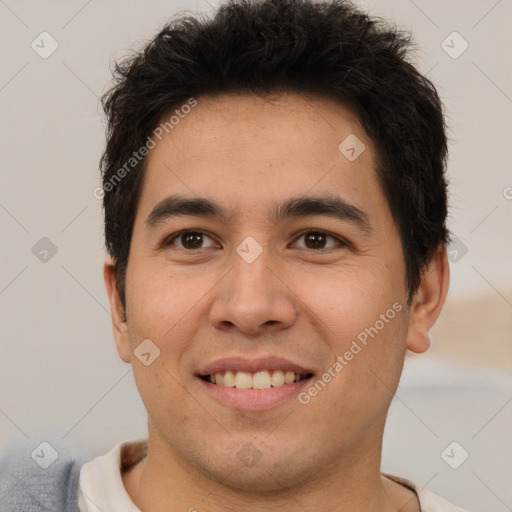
(275, 217)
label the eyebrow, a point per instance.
(295, 207)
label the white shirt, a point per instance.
(102, 489)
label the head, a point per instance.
(321, 153)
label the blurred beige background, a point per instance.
(476, 329)
(61, 380)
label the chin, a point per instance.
(262, 479)
(249, 469)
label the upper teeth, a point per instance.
(258, 380)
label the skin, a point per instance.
(306, 304)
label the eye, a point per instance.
(316, 239)
(190, 240)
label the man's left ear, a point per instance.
(428, 301)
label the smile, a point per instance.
(253, 384)
(263, 379)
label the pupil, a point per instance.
(193, 238)
(316, 239)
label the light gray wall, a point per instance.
(60, 377)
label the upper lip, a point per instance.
(253, 365)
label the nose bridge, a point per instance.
(252, 296)
(251, 270)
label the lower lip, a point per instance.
(253, 399)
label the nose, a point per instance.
(254, 298)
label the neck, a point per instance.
(353, 484)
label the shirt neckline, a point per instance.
(129, 453)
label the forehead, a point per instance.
(247, 150)
(288, 120)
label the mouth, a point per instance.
(253, 384)
(262, 379)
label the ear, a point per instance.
(428, 301)
(119, 326)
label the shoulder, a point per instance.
(39, 481)
(429, 501)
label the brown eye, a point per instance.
(189, 240)
(317, 240)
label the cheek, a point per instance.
(161, 304)
(346, 300)
(161, 392)
(362, 316)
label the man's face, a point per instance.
(248, 292)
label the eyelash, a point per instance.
(341, 241)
